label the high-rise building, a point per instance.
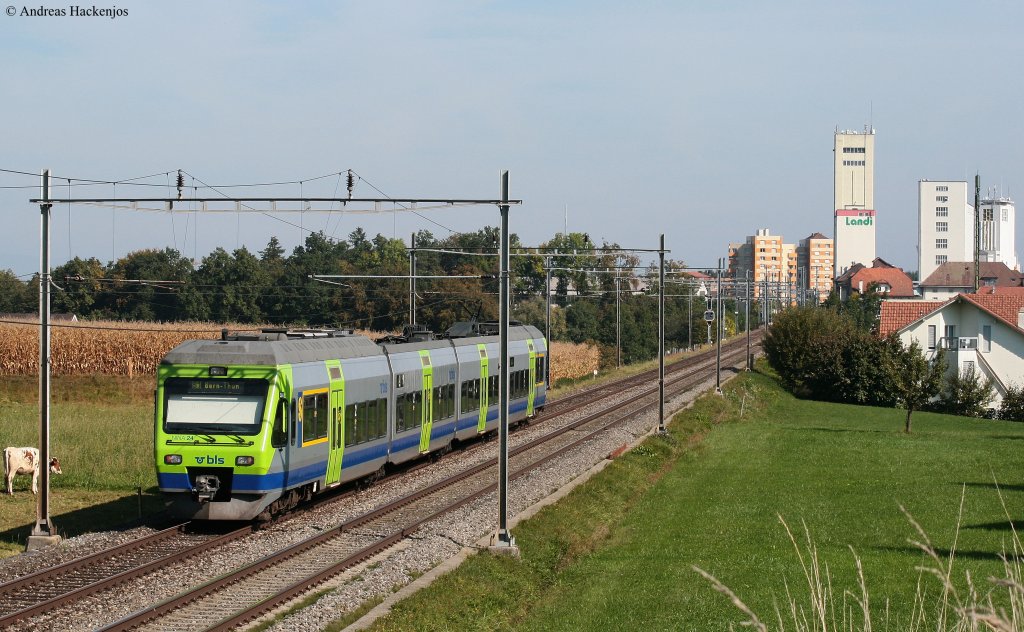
(945, 225)
(767, 258)
(997, 231)
(814, 256)
(854, 197)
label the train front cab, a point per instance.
(214, 428)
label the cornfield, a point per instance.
(135, 349)
(573, 360)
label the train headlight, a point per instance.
(244, 460)
(172, 459)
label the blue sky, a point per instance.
(703, 121)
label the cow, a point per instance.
(25, 461)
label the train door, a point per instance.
(336, 425)
(532, 368)
(427, 409)
(482, 420)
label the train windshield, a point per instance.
(214, 406)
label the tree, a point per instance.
(916, 379)
(966, 394)
(80, 285)
(17, 296)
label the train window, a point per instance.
(400, 413)
(362, 422)
(382, 418)
(539, 372)
(470, 395)
(295, 421)
(314, 416)
(492, 389)
(451, 400)
(350, 425)
(399, 381)
(279, 435)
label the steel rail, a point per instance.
(114, 579)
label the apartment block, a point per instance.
(945, 225)
(815, 257)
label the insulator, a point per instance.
(351, 183)
(181, 183)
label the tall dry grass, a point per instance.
(967, 608)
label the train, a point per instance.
(252, 424)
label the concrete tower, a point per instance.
(854, 155)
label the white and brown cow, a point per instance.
(25, 461)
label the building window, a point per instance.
(931, 337)
(940, 259)
(1006, 215)
(853, 150)
(942, 211)
(941, 244)
(942, 227)
(986, 335)
(853, 163)
(942, 188)
(986, 214)
(941, 198)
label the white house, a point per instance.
(984, 330)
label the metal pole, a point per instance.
(718, 331)
(689, 318)
(412, 276)
(547, 323)
(618, 325)
(44, 533)
(977, 233)
(747, 318)
(503, 536)
(661, 335)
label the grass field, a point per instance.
(618, 552)
(102, 433)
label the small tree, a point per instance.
(967, 394)
(916, 379)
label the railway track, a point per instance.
(52, 588)
(248, 592)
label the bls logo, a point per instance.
(210, 459)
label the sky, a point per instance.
(701, 120)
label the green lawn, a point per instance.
(618, 552)
(102, 432)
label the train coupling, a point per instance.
(207, 486)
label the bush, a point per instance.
(1012, 407)
(967, 394)
(821, 354)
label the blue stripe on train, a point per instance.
(246, 483)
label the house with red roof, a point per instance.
(884, 277)
(984, 331)
(954, 277)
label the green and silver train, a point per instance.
(250, 425)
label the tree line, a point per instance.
(275, 287)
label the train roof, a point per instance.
(276, 347)
(273, 347)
